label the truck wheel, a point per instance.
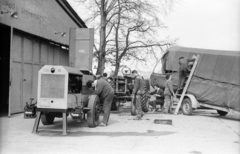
(187, 107)
(222, 113)
(93, 114)
(133, 108)
(47, 118)
(115, 105)
(144, 98)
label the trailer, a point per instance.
(215, 83)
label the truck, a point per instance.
(215, 83)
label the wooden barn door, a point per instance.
(28, 55)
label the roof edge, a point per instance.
(72, 14)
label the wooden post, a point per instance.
(36, 123)
(64, 115)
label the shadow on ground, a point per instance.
(108, 134)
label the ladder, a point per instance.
(186, 85)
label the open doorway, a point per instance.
(5, 32)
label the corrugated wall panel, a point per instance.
(29, 54)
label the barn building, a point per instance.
(33, 33)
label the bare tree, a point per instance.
(127, 29)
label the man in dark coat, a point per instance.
(183, 70)
(168, 93)
(106, 93)
(137, 94)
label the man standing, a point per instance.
(105, 93)
(183, 70)
(110, 80)
(137, 94)
(158, 94)
(168, 92)
(105, 76)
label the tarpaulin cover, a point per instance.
(216, 80)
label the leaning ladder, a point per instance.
(186, 85)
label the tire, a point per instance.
(222, 113)
(133, 108)
(115, 105)
(47, 118)
(187, 107)
(93, 114)
(145, 98)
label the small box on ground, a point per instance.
(163, 121)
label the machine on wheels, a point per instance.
(124, 86)
(62, 91)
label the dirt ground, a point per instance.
(205, 132)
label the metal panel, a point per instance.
(27, 49)
(44, 53)
(16, 48)
(16, 88)
(50, 55)
(36, 52)
(56, 55)
(27, 83)
(64, 57)
(81, 48)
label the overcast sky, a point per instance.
(207, 24)
(211, 24)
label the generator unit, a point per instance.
(62, 91)
(60, 88)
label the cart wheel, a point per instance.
(93, 114)
(133, 108)
(47, 118)
(222, 113)
(187, 107)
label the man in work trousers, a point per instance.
(168, 92)
(137, 94)
(183, 70)
(158, 92)
(105, 93)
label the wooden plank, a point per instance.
(10, 73)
